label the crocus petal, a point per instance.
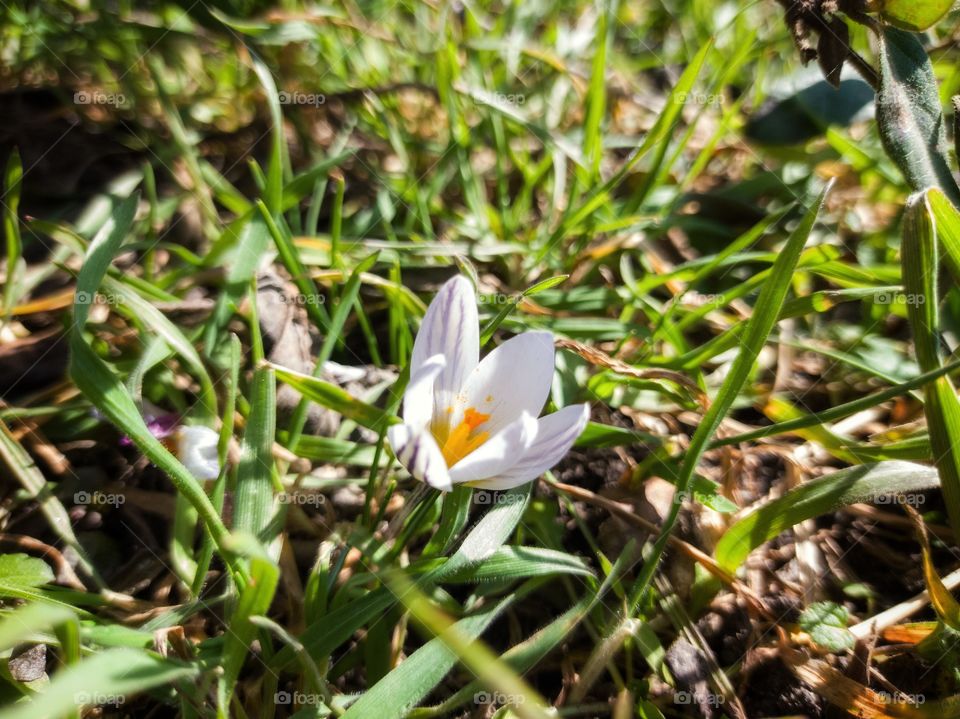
(197, 450)
(451, 327)
(556, 434)
(417, 450)
(418, 397)
(513, 379)
(499, 453)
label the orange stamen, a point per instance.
(464, 438)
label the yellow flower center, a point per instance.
(464, 438)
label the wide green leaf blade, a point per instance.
(18, 625)
(909, 115)
(488, 535)
(511, 562)
(20, 571)
(864, 483)
(400, 690)
(112, 673)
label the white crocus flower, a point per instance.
(197, 450)
(473, 422)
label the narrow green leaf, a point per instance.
(839, 411)
(251, 244)
(453, 518)
(12, 181)
(333, 397)
(274, 180)
(947, 221)
(597, 93)
(255, 597)
(254, 503)
(512, 302)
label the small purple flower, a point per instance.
(161, 426)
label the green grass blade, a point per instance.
(921, 265)
(766, 311)
(12, 181)
(254, 238)
(255, 597)
(105, 391)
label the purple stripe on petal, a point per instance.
(417, 451)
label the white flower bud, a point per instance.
(197, 449)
